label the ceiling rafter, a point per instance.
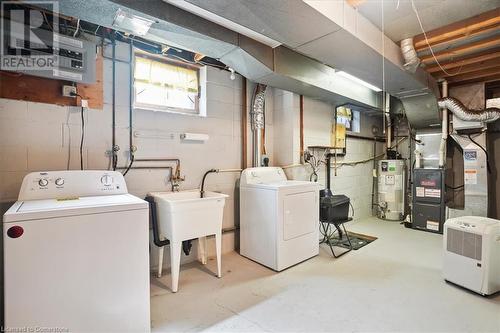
(492, 63)
(461, 50)
(464, 61)
(459, 30)
(474, 75)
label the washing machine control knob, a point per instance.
(59, 181)
(43, 182)
(106, 180)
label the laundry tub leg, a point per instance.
(175, 263)
(218, 250)
(202, 250)
(160, 260)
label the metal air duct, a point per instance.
(410, 55)
(257, 123)
(463, 113)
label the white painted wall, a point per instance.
(37, 136)
(353, 181)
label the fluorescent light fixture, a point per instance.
(131, 23)
(224, 22)
(355, 79)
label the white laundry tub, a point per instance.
(183, 216)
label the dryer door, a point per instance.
(299, 214)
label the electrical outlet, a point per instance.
(69, 91)
(85, 103)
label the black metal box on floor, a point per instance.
(428, 209)
(334, 208)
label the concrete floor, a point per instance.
(392, 284)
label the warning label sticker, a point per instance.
(432, 193)
(470, 176)
(420, 191)
(432, 225)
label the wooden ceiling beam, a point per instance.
(474, 75)
(475, 58)
(452, 39)
(491, 78)
(459, 29)
(470, 68)
(461, 50)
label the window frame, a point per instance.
(197, 111)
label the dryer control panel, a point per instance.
(71, 184)
(262, 175)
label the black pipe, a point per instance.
(327, 192)
(113, 104)
(153, 217)
(202, 190)
(130, 111)
(154, 222)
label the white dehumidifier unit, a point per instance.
(472, 253)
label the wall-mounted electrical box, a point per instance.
(76, 58)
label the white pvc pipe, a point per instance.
(388, 116)
(444, 127)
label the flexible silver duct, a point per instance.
(410, 55)
(257, 122)
(458, 109)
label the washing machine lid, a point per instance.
(53, 208)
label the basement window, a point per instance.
(166, 85)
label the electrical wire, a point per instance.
(429, 45)
(82, 138)
(485, 152)
(77, 28)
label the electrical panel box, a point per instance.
(76, 58)
(428, 209)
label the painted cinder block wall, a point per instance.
(37, 136)
(353, 181)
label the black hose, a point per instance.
(202, 190)
(154, 222)
(129, 165)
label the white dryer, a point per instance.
(76, 254)
(279, 218)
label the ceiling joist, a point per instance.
(462, 50)
(475, 75)
(468, 60)
(490, 78)
(476, 25)
(492, 63)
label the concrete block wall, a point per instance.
(353, 181)
(37, 136)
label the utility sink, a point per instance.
(185, 215)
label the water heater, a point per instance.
(391, 189)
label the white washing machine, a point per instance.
(279, 218)
(76, 254)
